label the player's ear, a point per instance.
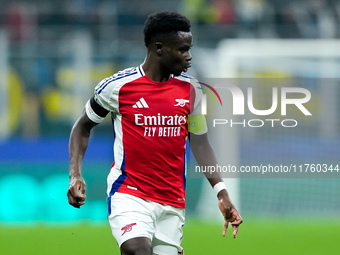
(158, 47)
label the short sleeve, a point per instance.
(106, 94)
(197, 121)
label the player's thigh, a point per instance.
(137, 246)
(130, 218)
(169, 233)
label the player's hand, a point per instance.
(230, 215)
(76, 192)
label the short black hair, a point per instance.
(164, 23)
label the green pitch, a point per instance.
(266, 236)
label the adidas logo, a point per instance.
(140, 104)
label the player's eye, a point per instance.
(184, 50)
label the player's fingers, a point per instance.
(235, 230)
(80, 198)
(72, 190)
(225, 227)
(237, 219)
(76, 196)
(81, 194)
(234, 218)
(78, 191)
(79, 204)
(235, 224)
(71, 199)
(75, 203)
(82, 190)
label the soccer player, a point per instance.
(153, 108)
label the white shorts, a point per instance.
(133, 217)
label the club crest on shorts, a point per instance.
(127, 228)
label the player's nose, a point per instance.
(188, 57)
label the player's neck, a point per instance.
(154, 71)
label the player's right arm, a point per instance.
(94, 113)
(78, 143)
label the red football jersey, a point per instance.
(150, 122)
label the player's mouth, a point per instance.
(186, 68)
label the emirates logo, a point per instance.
(127, 228)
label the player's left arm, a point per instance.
(205, 156)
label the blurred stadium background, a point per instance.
(53, 53)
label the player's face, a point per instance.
(175, 53)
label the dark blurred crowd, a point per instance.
(50, 43)
(242, 18)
